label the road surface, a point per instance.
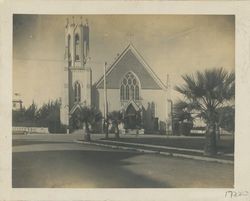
(56, 163)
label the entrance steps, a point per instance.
(133, 131)
(77, 131)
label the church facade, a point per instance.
(131, 86)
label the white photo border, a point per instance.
(241, 10)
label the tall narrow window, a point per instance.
(77, 47)
(127, 93)
(122, 93)
(131, 86)
(132, 92)
(136, 92)
(69, 50)
(77, 92)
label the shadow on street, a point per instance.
(98, 169)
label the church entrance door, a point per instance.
(131, 117)
(76, 120)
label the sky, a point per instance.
(170, 44)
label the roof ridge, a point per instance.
(140, 58)
(111, 65)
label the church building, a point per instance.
(131, 85)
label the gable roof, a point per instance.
(152, 80)
(74, 108)
(133, 103)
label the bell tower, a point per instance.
(77, 72)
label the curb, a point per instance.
(153, 146)
(159, 152)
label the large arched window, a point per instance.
(77, 47)
(131, 85)
(77, 92)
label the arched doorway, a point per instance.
(132, 118)
(76, 119)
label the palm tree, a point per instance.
(89, 116)
(205, 92)
(116, 118)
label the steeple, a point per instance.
(76, 43)
(77, 72)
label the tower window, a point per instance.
(77, 47)
(77, 92)
(131, 85)
(68, 49)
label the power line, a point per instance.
(29, 59)
(47, 60)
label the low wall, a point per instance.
(27, 130)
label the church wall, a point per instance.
(150, 99)
(154, 102)
(64, 109)
(113, 98)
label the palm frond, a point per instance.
(205, 91)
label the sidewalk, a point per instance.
(196, 154)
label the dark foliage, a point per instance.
(182, 119)
(205, 93)
(226, 118)
(87, 116)
(48, 115)
(116, 117)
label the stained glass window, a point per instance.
(131, 85)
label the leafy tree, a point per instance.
(31, 112)
(226, 118)
(106, 127)
(48, 115)
(89, 116)
(206, 92)
(18, 116)
(25, 117)
(182, 118)
(116, 118)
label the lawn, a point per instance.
(225, 145)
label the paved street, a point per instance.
(57, 161)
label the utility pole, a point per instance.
(105, 102)
(169, 108)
